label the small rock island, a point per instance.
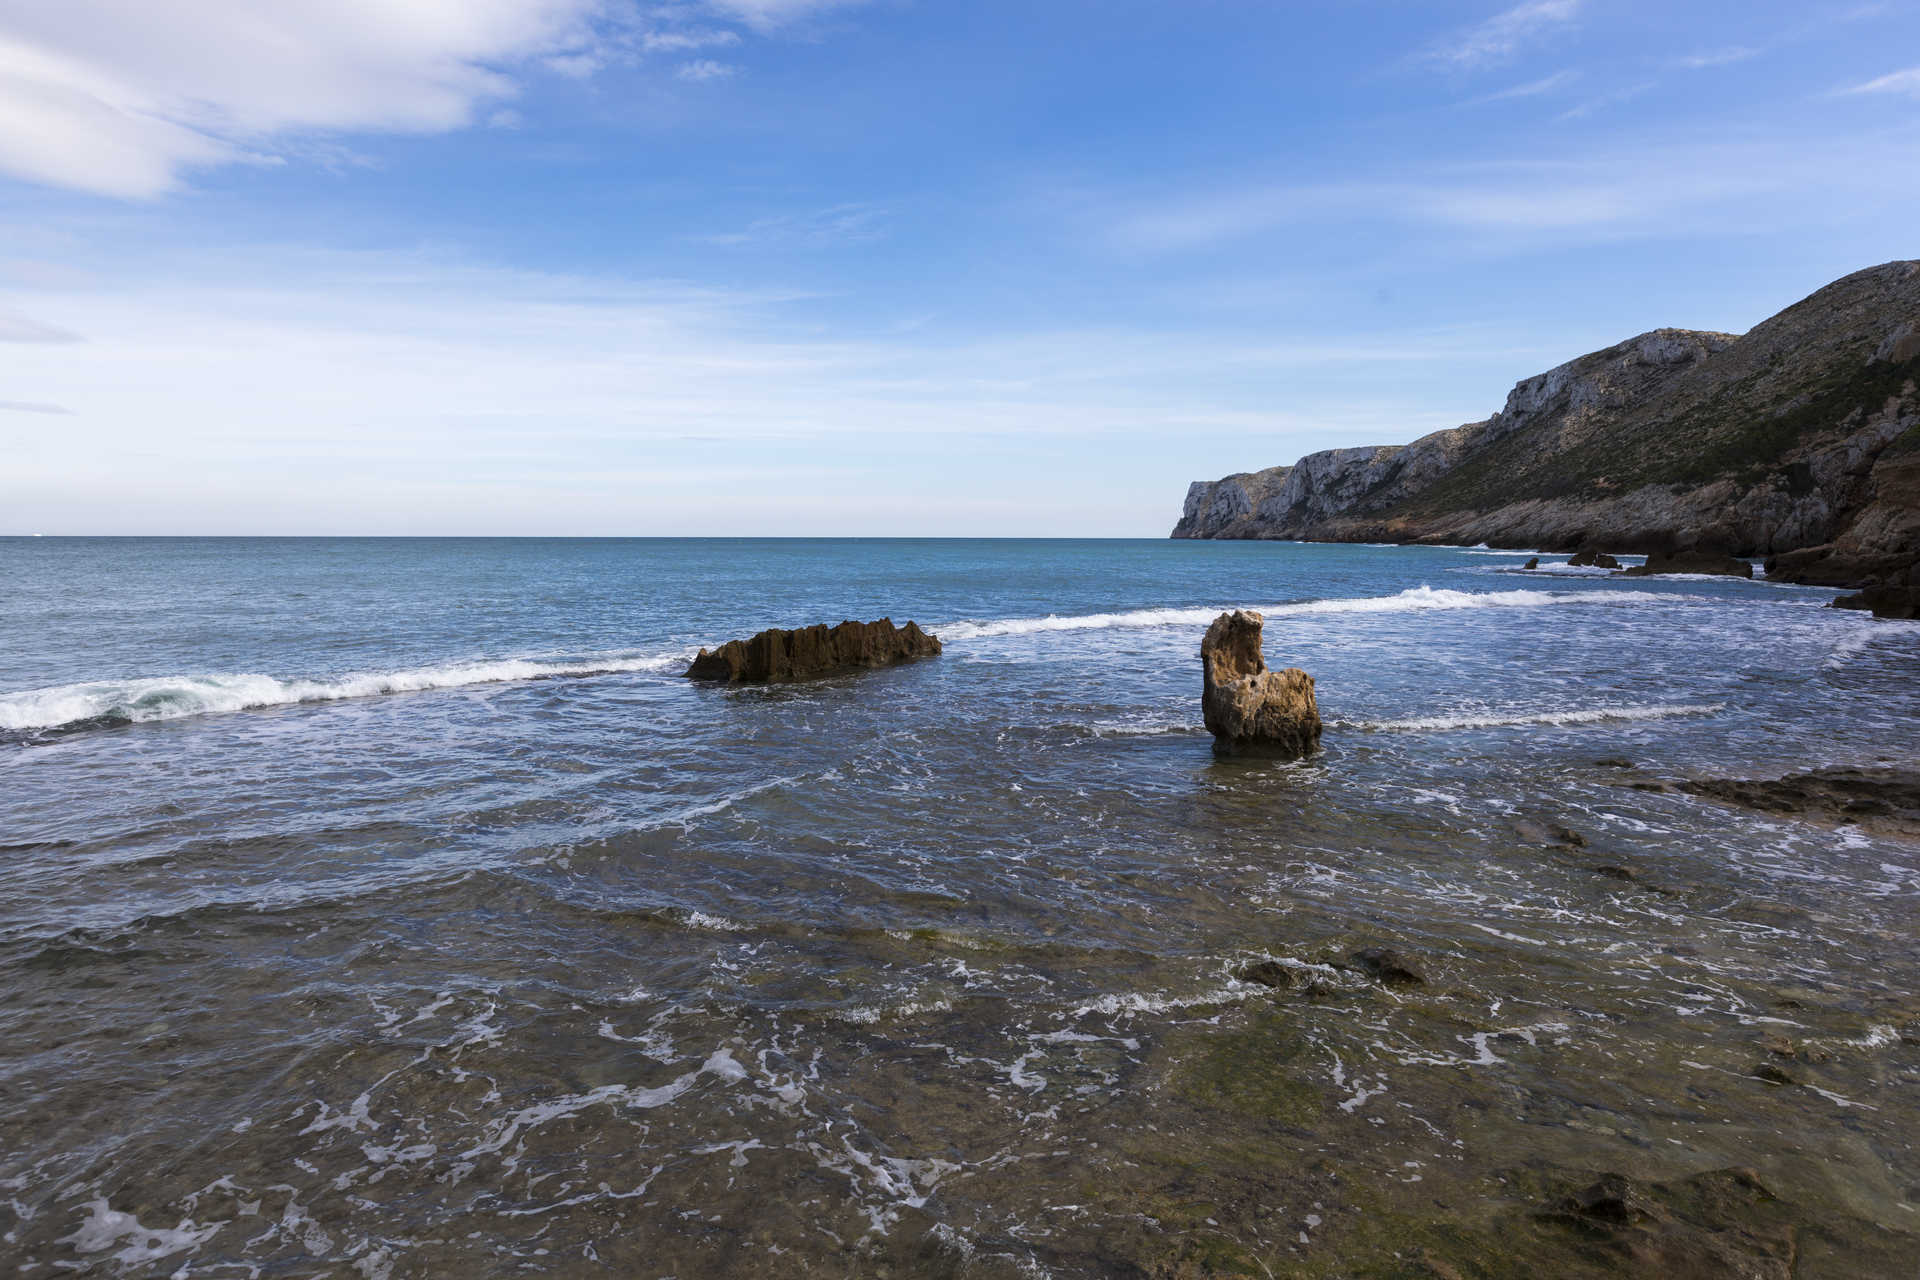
(1249, 709)
(777, 654)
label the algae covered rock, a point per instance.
(777, 654)
(1249, 709)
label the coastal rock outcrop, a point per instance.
(1593, 560)
(1798, 441)
(1704, 562)
(1249, 709)
(1884, 602)
(776, 654)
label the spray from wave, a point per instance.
(171, 697)
(1412, 600)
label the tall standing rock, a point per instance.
(1249, 709)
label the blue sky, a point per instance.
(893, 267)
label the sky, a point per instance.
(871, 267)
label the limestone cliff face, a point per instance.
(1799, 439)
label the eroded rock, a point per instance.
(777, 654)
(1884, 801)
(1249, 709)
(1593, 560)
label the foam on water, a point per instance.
(1413, 599)
(1500, 720)
(171, 697)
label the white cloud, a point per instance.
(1671, 191)
(124, 97)
(120, 97)
(703, 69)
(1906, 83)
(841, 224)
(764, 15)
(15, 327)
(1502, 36)
(1532, 88)
(1716, 58)
(31, 406)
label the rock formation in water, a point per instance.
(775, 654)
(1884, 602)
(1798, 441)
(1249, 709)
(1696, 561)
(1593, 560)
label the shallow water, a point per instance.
(394, 908)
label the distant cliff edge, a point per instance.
(1798, 441)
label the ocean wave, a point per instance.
(172, 697)
(1502, 720)
(1412, 599)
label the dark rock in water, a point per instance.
(1659, 562)
(775, 654)
(1773, 1074)
(1884, 602)
(1885, 801)
(1721, 1225)
(1249, 709)
(1614, 762)
(1384, 964)
(1593, 560)
(1268, 973)
(1548, 833)
(1534, 563)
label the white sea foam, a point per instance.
(1500, 720)
(1410, 600)
(171, 697)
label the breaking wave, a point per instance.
(1413, 599)
(106, 702)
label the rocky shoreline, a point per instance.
(1797, 443)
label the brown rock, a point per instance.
(1534, 563)
(775, 654)
(1384, 964)
(1249, 709)
(1659, 562)
(1884, 602)
(1593, 560)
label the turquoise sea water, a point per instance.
(395, 905)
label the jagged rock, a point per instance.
(1249, 709)
(1659, 562)
(777, 654)
(1719, 1225)
(1547, 833)
(1268, 973)
(1593, 560)
(1884, 602)
(1534, 563)
(1799, 440)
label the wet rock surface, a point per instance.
(1249, 709)
(1707, 562)
(1885, 801)
(1884, 602)
(777, 654)
(1593, 560)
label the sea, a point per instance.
(395, 907)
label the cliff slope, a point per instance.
(1799, 440)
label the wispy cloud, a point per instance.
(30, 406)
(1502, 36)
(703, 69)
(840, 224)
(15, 327)
(1905, 83)
(765, 15)
(1610, 99)
(1532, 88)
(1716, 58)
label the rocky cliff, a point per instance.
(1799, 441)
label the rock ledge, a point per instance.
(776, 654)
